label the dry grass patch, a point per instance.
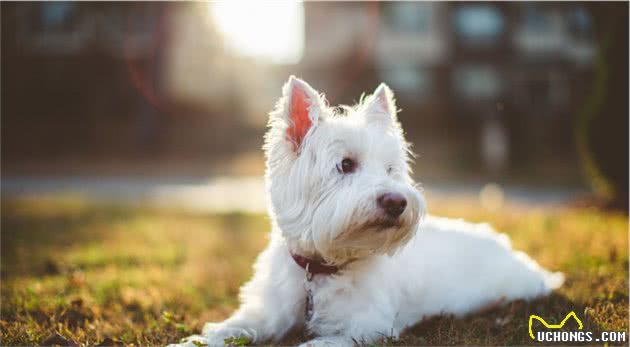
(79, 273)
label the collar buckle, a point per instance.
(309, 274)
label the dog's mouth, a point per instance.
(383, 223)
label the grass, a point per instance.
(80, 273)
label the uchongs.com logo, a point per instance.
(571, 336)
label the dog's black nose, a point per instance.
(392, 203)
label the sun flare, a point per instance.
(271, 31)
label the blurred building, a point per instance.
(481, 85)
(74, 73)
(462, 67)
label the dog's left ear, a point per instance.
(298, 111)
(381, 106)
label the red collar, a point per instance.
(314, 267)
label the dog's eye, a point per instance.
(390, 170)
(347, 166)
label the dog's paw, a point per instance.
(191, 341)
(217, 334)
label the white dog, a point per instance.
(351, 256)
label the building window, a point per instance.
(408, 79)
(409, 17)
(478, 22)
(477, 82)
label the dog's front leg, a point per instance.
(357, 319)
(272, 303)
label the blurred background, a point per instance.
(167, 102)
(133, 203)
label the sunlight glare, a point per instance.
(267, 30)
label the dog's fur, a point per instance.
(392, 274)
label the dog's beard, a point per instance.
(366, 232)
(373, 238)
(383, 223)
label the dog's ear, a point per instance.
(298, 111)
(381, 106)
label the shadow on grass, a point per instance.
(507, 325)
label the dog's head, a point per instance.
(339, 182)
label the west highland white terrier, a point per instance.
(352, 256)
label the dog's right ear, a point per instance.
(297, 112)
(381, 105)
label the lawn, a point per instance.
(75, 272)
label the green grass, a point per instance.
(76, 272)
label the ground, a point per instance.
(75, 272)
